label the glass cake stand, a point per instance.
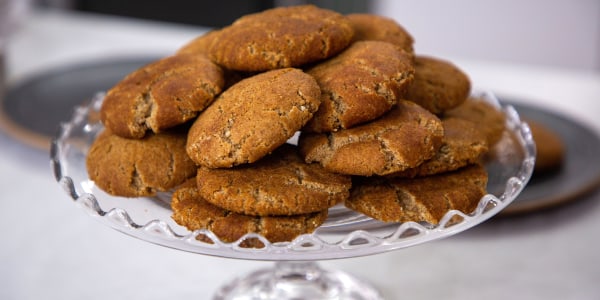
(296, 273)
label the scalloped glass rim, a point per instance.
(345, 233)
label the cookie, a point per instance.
(359, 85)
(438, 85)
(161, 95)
(423, 199)
(193, 212)
(489, 119)
(279, 184)
(252, 118)
(550, 149)
(139, 167)
(280, 38)
(370, 27)
(403, 138)
(462, 145)
(199, 45)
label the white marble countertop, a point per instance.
(53, 250)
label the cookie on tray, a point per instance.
(280, 38)
(279, 184)
(423, 199)
(359, 85)
(462, 145)
(489, 119)
(438, 85)
(193, 212)
(402, 139)
(550, 149)
(139, 167)
(370, 27)
(253, 117)
(161, 95)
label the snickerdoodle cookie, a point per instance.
(279, 38)
(193, 212)
(403, 138)
(462, 145)
(490, 120)
(253, 117)
(438, 85)
(359, 85)
(370, 27)
(161, 95)
(139, 167)
(419, 199)
(550, 149)
(279, 184)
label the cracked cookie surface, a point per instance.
(360, 84)
(279, 184)
(252, 118)
(139, 167)
(161, 95)
(463, 144)
(419, 199)
(403, 138)
(279, 38)
(193, 212)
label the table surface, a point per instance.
(52, 249)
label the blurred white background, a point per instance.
(555, 33)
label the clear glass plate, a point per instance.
(344, 234)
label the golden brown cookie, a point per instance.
(462, 145)
(369, 27)
(161, 95)
(253, 117)
(419, 199)
(438, 85)
(489, 119)
(193, 212)
(139, 167)
(199, 45)
(281, 37)
(359, 85)
(279, 184)
(550, 149)
(403, 138)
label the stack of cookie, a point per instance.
(377, 127)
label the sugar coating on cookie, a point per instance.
(463, 144)
(193, 212)
(370, 27)
(279, 184)
(438, 85)
(139, 167)
(252, 118)
(403, 138)
(161, 95)
(423, 199)
(281, 37)
(359, 85)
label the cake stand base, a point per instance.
(297, 281)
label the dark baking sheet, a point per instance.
(32, 109)
(579, 174)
